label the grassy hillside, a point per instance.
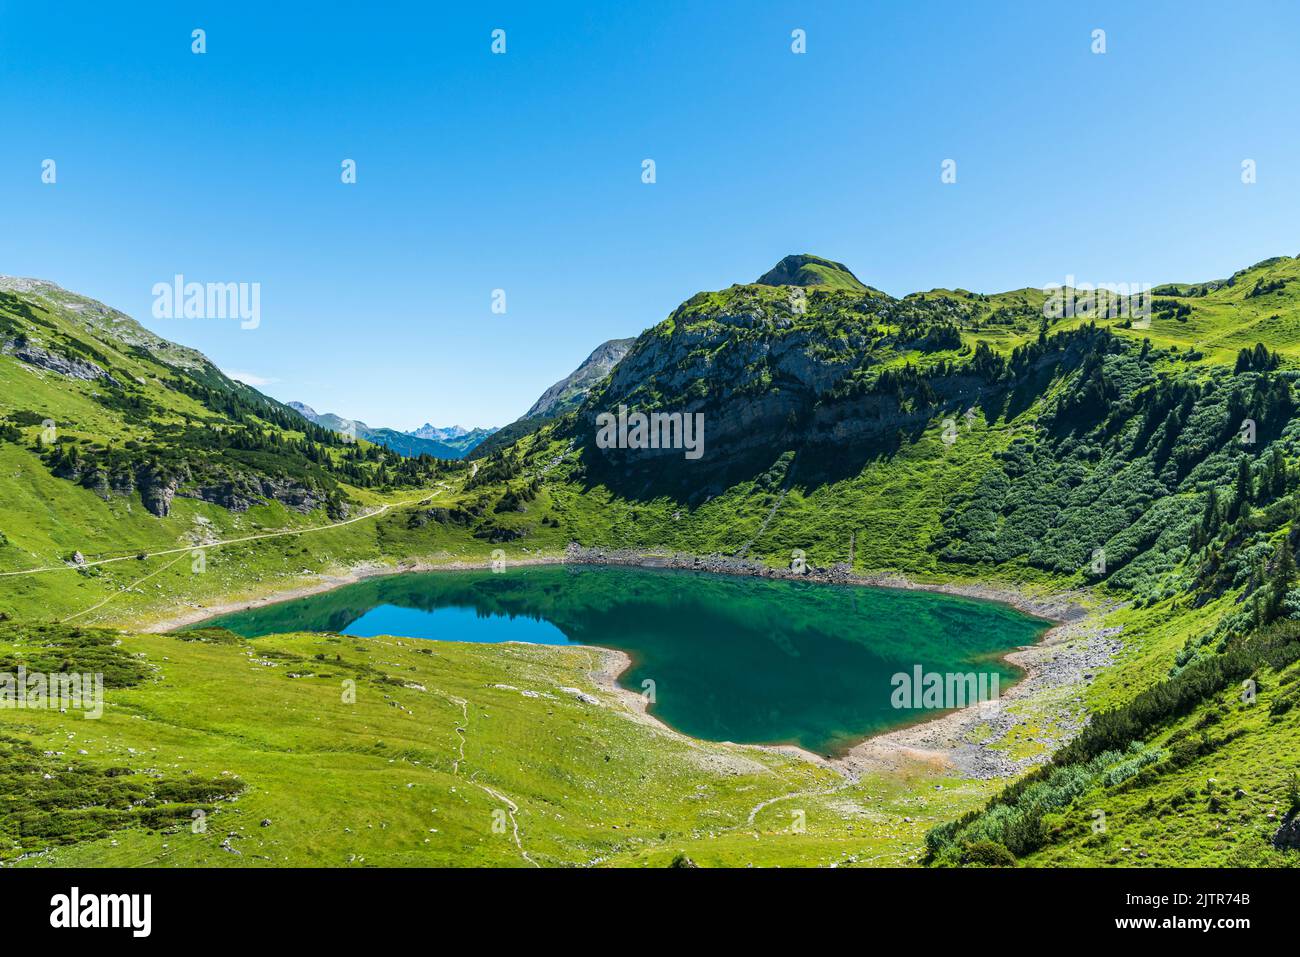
(1188, 772)
(117, 445)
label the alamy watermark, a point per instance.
(179, 299)
(1107, 300)
(656, 430)
(70, 691)
(75, 909)
(933, 690)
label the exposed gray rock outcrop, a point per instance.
(240, 493)
(1287, 837)
(69, 366)
(156, 490)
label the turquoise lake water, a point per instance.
(731, 658)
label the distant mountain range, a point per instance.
(451, 434)
(449, 443)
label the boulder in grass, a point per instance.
(1287, 837)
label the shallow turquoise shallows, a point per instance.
(731, 659)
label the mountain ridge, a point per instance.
(562, 397)
(566, 393)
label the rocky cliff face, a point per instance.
(158, 487)
(755, 360)
(1287, 837)
(806, 358)
(241, 493)
(157, 490)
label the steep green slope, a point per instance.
(112, 408)
(108, 408)
(115, 444)
(1195, 770)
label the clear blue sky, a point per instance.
(523, 171)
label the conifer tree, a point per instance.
(1210, 517)
(1245, 491)
(1283, 577)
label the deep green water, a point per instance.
(731, 658)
